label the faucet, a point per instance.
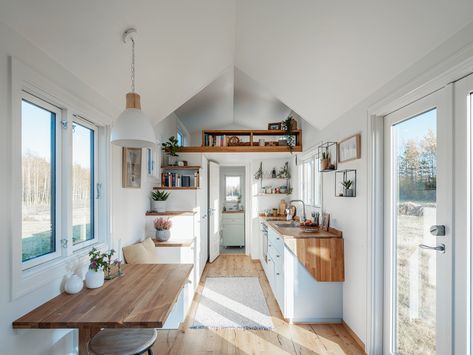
(303, 208)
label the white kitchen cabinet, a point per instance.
(233, 229)
(300, 297)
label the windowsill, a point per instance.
(48, 272)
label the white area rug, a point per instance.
(232, 302)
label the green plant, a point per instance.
(347, 184)
(171, 146)
(284, 172)
(287, 124)
(99, 260)
(325, 155)
(159, 195)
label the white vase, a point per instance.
(159, 206)
(163, 235)
(74, 284)
(94, 279)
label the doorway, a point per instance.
(418, 244)
(232, 209)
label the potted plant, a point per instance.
(347, 190)
(159, 199)
(289, 124)
(325, 161)
(170, 148)
(162, 226)
(95, 276)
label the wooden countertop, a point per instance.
(298, 233)
(142, 298)
(279, 217)
(240, 211)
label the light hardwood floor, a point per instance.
(283, 339)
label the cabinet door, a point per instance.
(233, 235)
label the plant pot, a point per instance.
(159, 206)
(94, 279)
(74, 284)
(163, 235)
(324, 164)
(348, 193)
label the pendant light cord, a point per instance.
(132, 64)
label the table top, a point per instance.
(142, 298)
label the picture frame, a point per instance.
(131, 167)
(349, 148)
(276, 126)
(325, 221)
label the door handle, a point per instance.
(440, 247)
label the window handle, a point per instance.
(64, 243)
(440, 247)
(99, 190)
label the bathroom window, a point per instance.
(232, 188)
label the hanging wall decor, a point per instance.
(349, 148)
(131, 168)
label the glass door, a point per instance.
(418, 253)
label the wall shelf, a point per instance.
(175, 167)
(175, 188)
(239, 149)
(170, 213)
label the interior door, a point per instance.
(418, 227)
(214, 209)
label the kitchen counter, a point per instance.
(321, 253)
(298, 233)
(239, 211)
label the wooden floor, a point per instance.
(283, 339)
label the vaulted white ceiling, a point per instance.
(320, 58)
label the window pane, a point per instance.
(415, 188)
(82, 184)
(179, 139)
(307, 187)
(232, 188)
(38, 137)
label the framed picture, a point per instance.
(349, 148)
(325, 221)
(274, 126)
(131, 168)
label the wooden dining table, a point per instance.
(142, 298)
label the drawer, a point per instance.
(231, 221)
(233, 217)
(276, 241)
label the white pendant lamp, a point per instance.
(132, 128)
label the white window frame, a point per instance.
(86, 123)
(24, 79)
(316, 183)
(58, 172)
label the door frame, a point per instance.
(431, 81)
(209, 213)
(248, 199)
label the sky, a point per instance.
(417, 126)
(36, 135)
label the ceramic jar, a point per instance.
(159, 206)
(74, 284)
(163, 235)
(94, 279)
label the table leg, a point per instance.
(85, 334)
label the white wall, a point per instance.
(29, 341)
(168, 127)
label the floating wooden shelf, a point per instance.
(175, 188)
(170, 213)
(279, 194)
(175, 167)
(239, 149)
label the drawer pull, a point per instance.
(277, 273)
(277, 256)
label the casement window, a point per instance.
(180, 138)
(59, 155)
(310, 182)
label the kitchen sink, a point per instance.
(287, 225)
